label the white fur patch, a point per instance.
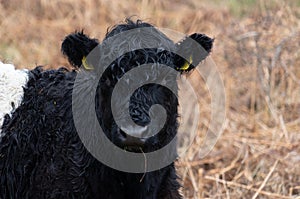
(12, 82)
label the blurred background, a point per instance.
(256, 50)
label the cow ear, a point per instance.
(76, 47)
(191, 51)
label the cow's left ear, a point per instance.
(194, 48)
(76, 47)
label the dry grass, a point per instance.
(257, 53)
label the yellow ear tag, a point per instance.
(85, 64)
(186, 64)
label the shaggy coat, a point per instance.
(41, 154)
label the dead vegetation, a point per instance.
(257, 53)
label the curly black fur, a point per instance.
(41, 155)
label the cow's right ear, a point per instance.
(76, 47)
(194, 48)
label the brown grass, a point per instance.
(257, 53)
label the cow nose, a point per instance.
(130, 140)
(133, 141)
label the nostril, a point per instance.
(122, 135)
